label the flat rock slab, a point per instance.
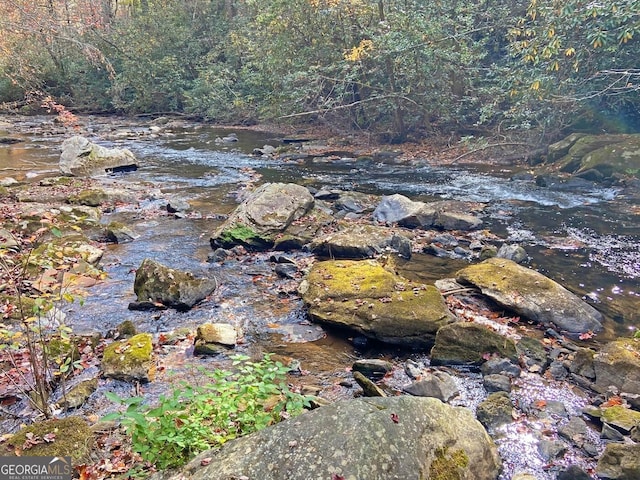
(532, 295)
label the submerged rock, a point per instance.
(532, 295)
(158, 283)
(365, 297)
(81, 157)
(263, 216)
(394, 438)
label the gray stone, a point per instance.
(502, 366)
(372, 367)
(81, 157)
(394, 438)
(439, 385)
(369, 388)
(160, 284)
(514, 253)
(263, 216)
(496, 410)
(497, 383)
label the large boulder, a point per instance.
(532, 295)
(366, 297)
(263, 216)
(159, 284)
(394, 438)
(618, 364)
(597, 157)
(82, 158)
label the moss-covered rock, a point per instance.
(263, 216)
(609, 155)
(365, 297)
(71, 438)
(158, 283)
(78, 395)
(90, 198)
(532, 295)
(619, 462)
(469, 343)
(130, 360)
(621, 418)
(618, 364)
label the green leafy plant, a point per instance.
(192, 418)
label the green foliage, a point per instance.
(192, 419)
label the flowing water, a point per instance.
(587, 238)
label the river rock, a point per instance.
(372, 367)
(264, 215)
(438, 385)
(356, 241)
(369, 388)
(130, 360)
(617, 364)
(81, 157)
(469, 343)
(532, 295)
(365, 297)
(601, 157)
(404, 211)
(619, 461)
(213, 338)
(496, 410)
(78, 394)
(158, 283)
(621, 418)
(394, 438)
(515, 253)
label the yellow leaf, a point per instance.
(535, 85)
(569, 52)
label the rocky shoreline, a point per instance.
(496, 316)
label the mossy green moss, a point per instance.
(136, 349)
(505, 276)
(621, 417)
(240, 234)
(130, 360)
(448, 465)
(348, 279)
(72, 438)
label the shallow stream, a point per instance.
(587, 239)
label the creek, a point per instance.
(587, 238)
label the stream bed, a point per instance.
(587, 238)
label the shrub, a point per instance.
(192, 419)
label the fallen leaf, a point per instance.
(205, 461)
(395, 418)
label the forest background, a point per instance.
(397, 69)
